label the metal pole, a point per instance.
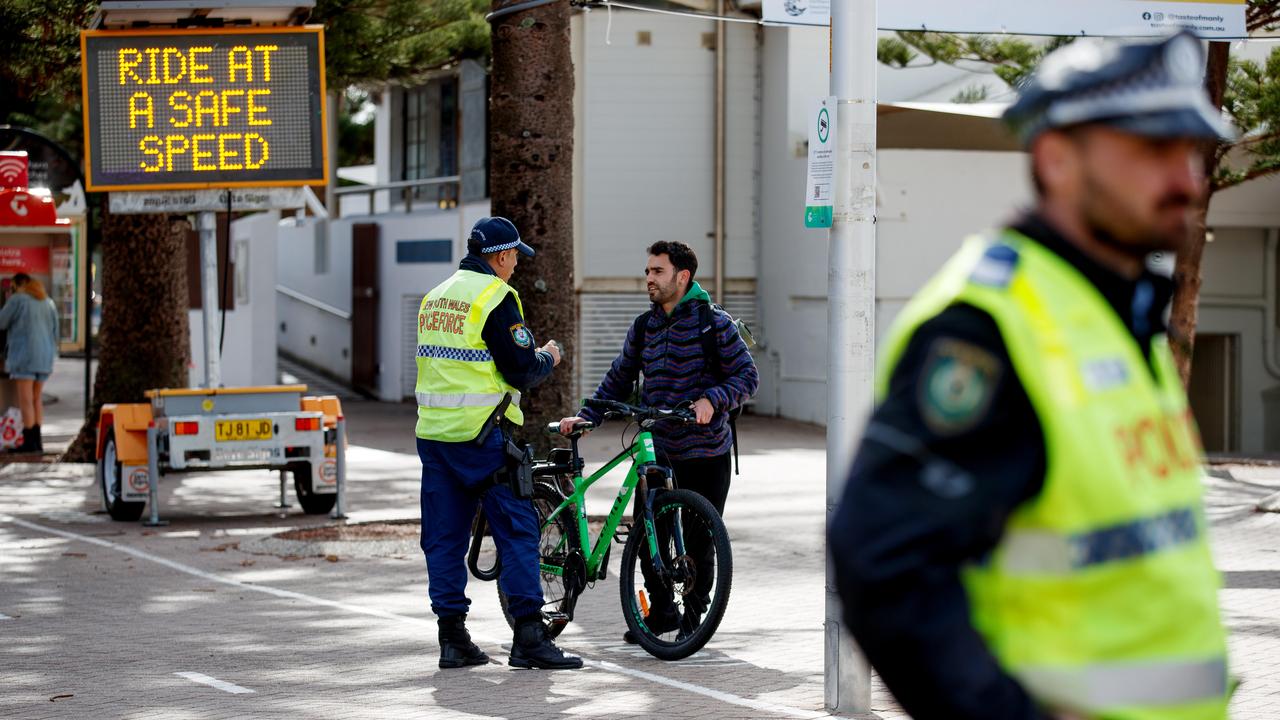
(284, 497)
(335, 100)
(90, 242)
(850, 305)
(208, 222)
(153, 479)
(340, 506)
(719, 142)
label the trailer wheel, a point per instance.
(110, 479)
(312, 503)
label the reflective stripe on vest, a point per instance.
(1101, 593)
(1096, 688)
(458, 400)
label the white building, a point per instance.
(644, 171)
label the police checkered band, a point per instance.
(439, 352)
(500, 248)
(1041, 552)
(1140, 537)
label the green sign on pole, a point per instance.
(819, 192)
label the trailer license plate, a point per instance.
(233, 430)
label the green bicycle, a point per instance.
(677, 567)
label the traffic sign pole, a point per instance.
(208, 222)
(850, 306)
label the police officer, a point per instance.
(474, 350)
(1022, 535)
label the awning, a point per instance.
(943, 126)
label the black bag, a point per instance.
(710, 351)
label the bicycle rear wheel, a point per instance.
(562, 571)
(674, 619)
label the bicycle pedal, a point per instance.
(557, 619)
(622, 533)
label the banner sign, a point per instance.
(1207, 18)
(30, 260)
(203, 108)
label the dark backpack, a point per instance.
(710, 351)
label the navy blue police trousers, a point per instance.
(455, 476)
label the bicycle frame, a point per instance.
(641, 453)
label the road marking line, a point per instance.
(4, 617)
(214, 682)
(725, 697)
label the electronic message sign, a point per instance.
(204, 108)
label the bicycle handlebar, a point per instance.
(613, 407)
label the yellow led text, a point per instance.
(205, 151)
(193, 129)
(172, 66)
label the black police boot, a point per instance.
(531, 648)
(456, 648)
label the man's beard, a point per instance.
(662, 294)
(1138, 242)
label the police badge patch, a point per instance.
(521, 335)
(957, 386)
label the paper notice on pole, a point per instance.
(819, 197)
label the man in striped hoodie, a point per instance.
(676, 370)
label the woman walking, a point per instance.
(32, 321)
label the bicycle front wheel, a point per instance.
(673, 614)
(562, 569)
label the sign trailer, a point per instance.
(192, 120)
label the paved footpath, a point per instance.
(197, 620)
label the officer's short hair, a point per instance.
(682, 256)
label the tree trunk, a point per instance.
(531, 183)
(144, 340)
(1186, 273)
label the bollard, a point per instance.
(340, 506)
(284, 503)
(153, 479)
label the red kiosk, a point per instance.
(35, 240)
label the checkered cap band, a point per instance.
(500, 248)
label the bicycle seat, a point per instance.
(578, 430)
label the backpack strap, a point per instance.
(711, 351)
(638, 329)
(710, 339)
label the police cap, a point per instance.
(1150, 88)
(495, 234)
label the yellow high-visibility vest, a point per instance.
(1101, 597)
(458, 383)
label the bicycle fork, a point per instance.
(651, 534)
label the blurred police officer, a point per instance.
(474, 350)
(1022, 534)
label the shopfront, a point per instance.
(35, 240)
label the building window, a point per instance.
(431, 138)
